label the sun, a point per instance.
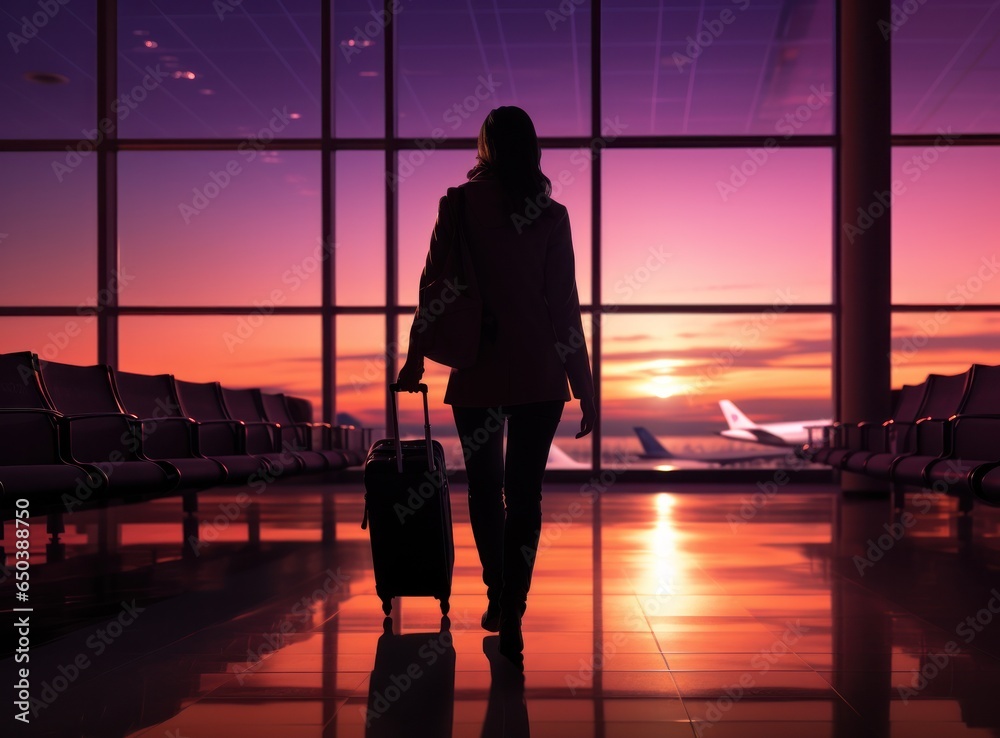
(664, 386)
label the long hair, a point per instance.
(509, 151)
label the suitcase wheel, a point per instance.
(386, 606)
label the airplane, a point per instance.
(559, 459)
(741, 428)
(653, 449)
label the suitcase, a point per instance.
(408, 514)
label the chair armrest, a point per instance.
(271, 437)
(288, 436)
(352, 438)
(825, 433)
(130, 441)
(87, 416)
(238, 435)
(934, 436)
(978, 473)
(30, 410)
(975, 436)
(188, 428)
(32, 436)
(325, 434)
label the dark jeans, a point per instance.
(505, 495)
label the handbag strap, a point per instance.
(463, 266)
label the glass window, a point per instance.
(945, 203)
(944, 341)
(422, 180)
(717, 226)
(48, 235)
(48, 70)
(455, 63)
(944, 66)
(276, 353)
(70, 339)
(361, 362)
(569, 171)
(727, 67)
(360, 224)
(219, 70)
(358, 67)
(221, 228)
(668, 373)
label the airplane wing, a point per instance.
(753, 435)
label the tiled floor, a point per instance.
(652, 613)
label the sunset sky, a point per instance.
(678, 227)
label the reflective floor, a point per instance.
(653, 612)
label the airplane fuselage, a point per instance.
(775, 434)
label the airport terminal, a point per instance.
(582, 368)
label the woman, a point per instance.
(532, 340)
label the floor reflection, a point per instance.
(673, 613)
(412, 684)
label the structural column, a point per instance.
(108, 283)
(865, 192)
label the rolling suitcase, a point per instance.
(408, 514)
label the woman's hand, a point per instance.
(589, 410)
(410, 374)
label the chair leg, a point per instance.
(964, 528)
(965, 501)
(328, 519)
(898, 493)
(107, 532)
(191, 547)
(253, 524)
(55, 550)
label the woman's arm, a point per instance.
(441, 239)
(564, 312)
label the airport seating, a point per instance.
(163, 438)
(77, 437)
(868, 438)
(890, 436)
(926, 435)
(221, 434)
(34, 463)
(949, 444)
(948, 451)
(169, 435)
(219, 441)
(97, 432)
(316, 437)
(352, 441)
(247, 405)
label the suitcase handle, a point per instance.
(394, 389)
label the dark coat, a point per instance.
(533, 339)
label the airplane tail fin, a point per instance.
(735, 417)
(348, 419)
(651, 448)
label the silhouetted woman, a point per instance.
(522, 254)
